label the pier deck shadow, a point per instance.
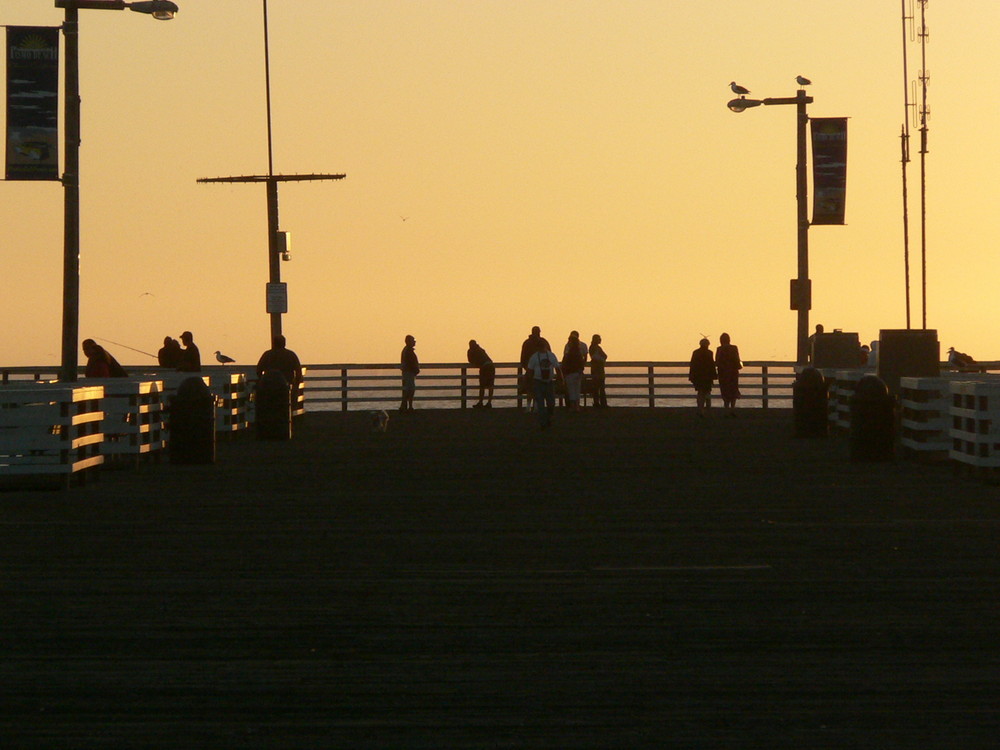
(631, 578)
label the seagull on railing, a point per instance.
(223, 359)
(802, 80)
(737, 89)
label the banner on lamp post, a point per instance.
(829, 145)
(32, 103)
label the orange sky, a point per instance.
(569, 164)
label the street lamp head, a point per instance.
(738, 105)
(161, 10)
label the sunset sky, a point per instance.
(570, 164)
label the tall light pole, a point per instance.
(277, 241)
(159, 9)
(801, 286)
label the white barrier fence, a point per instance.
(60, 429)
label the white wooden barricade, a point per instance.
(841, 390)
(975, 423)
(133, 419)
(299, 397)
(925, 418)
(50, 430)
(231, 397)
(231, 391)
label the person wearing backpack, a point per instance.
(542, 371)
(574, 359)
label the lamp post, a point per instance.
(801, 286)
(159, 9)
(277, 241)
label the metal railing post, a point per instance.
(343, 389)
(652, 386)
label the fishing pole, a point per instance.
(123, 346)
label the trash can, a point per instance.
(274, 407)
(809, 404)
(192, 424)
(873, 421)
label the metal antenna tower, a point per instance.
(904, 142)
(924, 114)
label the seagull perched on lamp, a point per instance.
(802, 80)
(737, 89)
(223, 359)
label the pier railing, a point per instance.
(344, 387)
(348, 387)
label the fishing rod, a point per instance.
(123, 346)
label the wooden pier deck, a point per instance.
(633, 578)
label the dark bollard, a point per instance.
(873, 421)
(809, 404)
(274, 407)
(192, 424)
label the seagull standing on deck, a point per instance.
(737, 89)
(223, 359)
(802, 80)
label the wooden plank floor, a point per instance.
(631, 578)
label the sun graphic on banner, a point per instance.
(34, 41)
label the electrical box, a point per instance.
(837, 349)
(908, 352)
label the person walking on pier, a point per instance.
(487, 374)
(597, 360)
(528, 348)
(728, 364)
(410, 366)
(573, 362)
(541, 372)
(702, 375)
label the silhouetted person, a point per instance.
(487, 374)
(597, 360)
(541, 372)
(190, 356)
(728, 364)
(170, 353)
(282, 359)
(812, 340)
(100, 364)
(528, 348)
(702, 375)
(410, 367)
(573, 362)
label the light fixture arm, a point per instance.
(801, 288)
(162, 10)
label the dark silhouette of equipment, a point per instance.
(192, 424)
(873, 421)
(274, 407)
(809, 404)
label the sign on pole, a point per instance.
(277, 297)
(829, 142)
(32, 103)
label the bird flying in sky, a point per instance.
(223, 359)
(802, 80)
(737, 89)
